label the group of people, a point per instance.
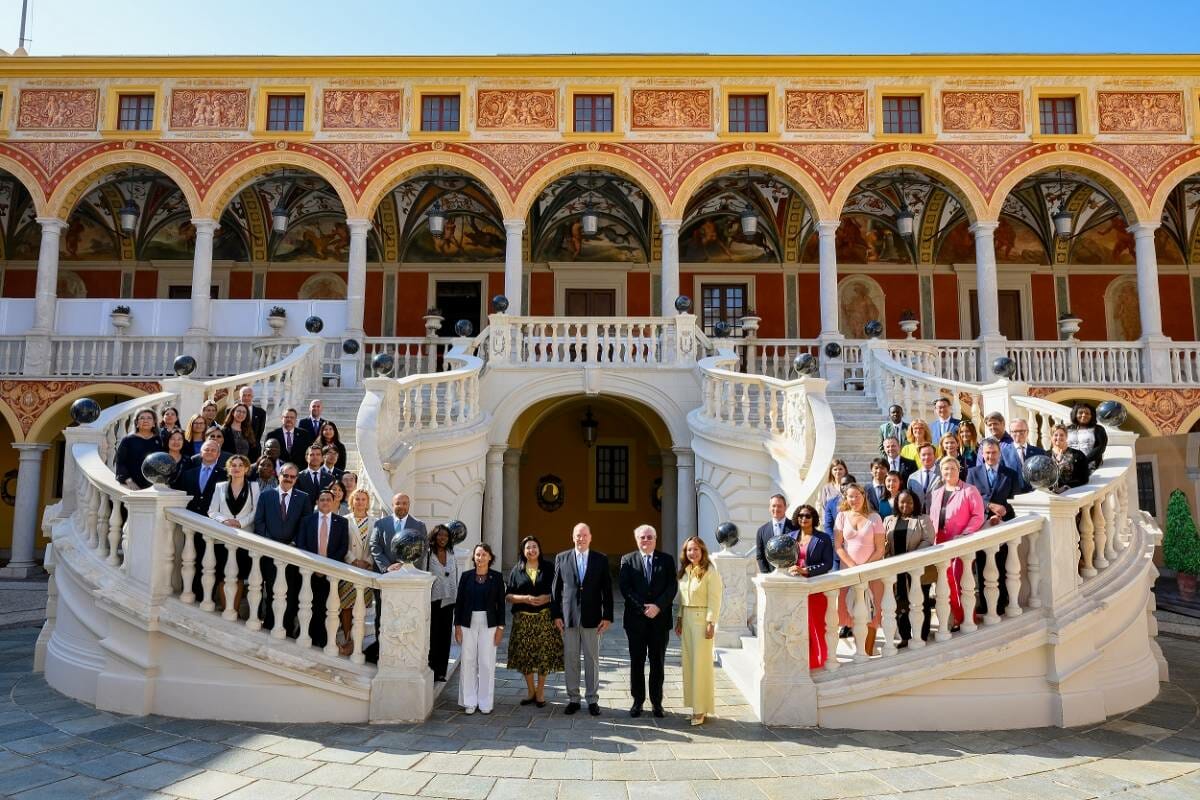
(561, 609)
(933, 482)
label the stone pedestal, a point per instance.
(787, 695)
(735, 600)
(402, 690)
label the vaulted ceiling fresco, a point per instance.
(625, 219)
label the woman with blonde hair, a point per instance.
(194, 434)
(858, 539)
(233, 504)
(358, 555)
(699, 609)
(833, 482)
(918, 434)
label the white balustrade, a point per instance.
(117, 356)
(1185, 363)
(614, 341)
(412, 354)
(891, 382)
(12, 355)
(1075, 362)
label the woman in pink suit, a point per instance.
(957, 509)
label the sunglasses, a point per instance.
(805, 516)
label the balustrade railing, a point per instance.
(617, 341)
(1074, 362)
(891, 382)
(1184, 361)
(12, 355)
(412, 354)
(118, 356)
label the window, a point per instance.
(439, 112)
(135, 112)
(593, 113)
(1057, 115)
(902, 115)
(747, 113)
(724, 301)
(285, 112)
(612, 474)
(1145, 488)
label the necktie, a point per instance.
(283, 505)
(205, 474)
(895, 465)
(928, 476)
(287, 441)
(580, 567)
(779, 527)
(646, 568)
(323, 536)
(1021, 453)
(991, 478)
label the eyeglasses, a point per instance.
(805, 516)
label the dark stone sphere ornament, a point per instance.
(1041, 472)
(184, 365)
(721, 329)
(314, 324)
(350, 347)
(408, 547)
(1112, 413)
(1004, 367)
(85, 411)
(500, 304)
(458, 531)
(158, 468)
(781, 551)
(727, 534)
(873, 329)
(683, 304)
(805, 364)
(833, 350)
(383, 363)
(464, 327)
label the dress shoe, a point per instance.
(470, 710)
(540, 703)
(698, 719)
(594, 709)
(845, 632)
(658, 712)
(571, 708)
(635, 710)
(528, 701)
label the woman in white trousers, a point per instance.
(478, 629)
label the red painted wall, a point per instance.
(1087, 300)
(808, 287)
(373, 307)
(637, 294)
(411, 293)
(145, 283)
(1045, 314)
(1176, 300)
(20, 282)
(945, 304)
(101, 282)
(768, 302)
(495, 286)
(541, 294)
(241, 284)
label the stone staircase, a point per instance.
(858, 419)
(341, 406)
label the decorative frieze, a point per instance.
(517, 109)
(362, 109)
(1140, 112)
(826, 111)
(983, 112)
(58, 109)
(209, 109)
(672, 109)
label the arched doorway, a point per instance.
(624, 478)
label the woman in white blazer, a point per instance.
(233, 504)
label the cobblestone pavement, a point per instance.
(54, 747)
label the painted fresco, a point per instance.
(860, 300)
(1016, 243)
(314, 239)
(176, 239)
(719, 238)
(614, 241)
(86, 239)
(1167, 249)
(1106, 243)
(1124, 312)
(862, 239)
(467, 237)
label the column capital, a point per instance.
(205, 225)
(984, 226)
(684, 456)
(1141, 230)
(828, 227)
(30, 447)
(514, 226)
(671, 225)
(358, 225)
(52, 224)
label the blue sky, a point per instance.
(372, 27)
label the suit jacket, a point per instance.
(907, 467)
(916, 484)
(820, 555)
(495, 599)
(258, 422)
(308, 538)
(889, 428)
(830, 512)
(637, 592)
(301, 439)
(219, 511)
(312, 488)
(765, 532)
(1001, 492)
(195, 461)
(268, 522)
(938, 428)
(1010, 458)
(380, 542)
(919, 534)
(581, 605)
(313, 428)
(201, 499)
(965, 512)
(875, 497)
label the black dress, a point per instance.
(534, 644)
(131, 452)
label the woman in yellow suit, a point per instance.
(699, 608)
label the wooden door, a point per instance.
(591, 302)
(1008, 303)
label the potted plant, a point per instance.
(1068, 324)
(120, 316)
(1181, 545)
(908, 322)
(433, 321)
(277, 319)
(750, 322)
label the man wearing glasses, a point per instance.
(277, 517)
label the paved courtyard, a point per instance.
(54, 747)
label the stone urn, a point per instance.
(121, 318)
(276, 324)
(1069, 326)
(909, 326)
(750, 324)
(433, 324)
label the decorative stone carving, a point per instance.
(983, 112)
(209, 109)
(58, 109)
(205, 157)
(515, 158)
(405, 639)
(670, 157)
(734, 570)
(672, 109)
(1140, 112)
(516, 109)
(826, 111)
(362, 109)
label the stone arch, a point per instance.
(581, 162)
(242, 174)
(78, 181)
(1097, 396)
(1120, 188)
(731, 162)
(1168, 184)
(37, 431)
(869, 303)
(1117, 306)
(396, 173)
(1186, 427)
(26, 179)
(957, 182)
(11, 419)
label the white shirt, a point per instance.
(777, 525)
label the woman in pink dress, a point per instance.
(858, 539)
(957, 509)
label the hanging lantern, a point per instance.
(437, 220)
(1062, 223)
(279, 218)
(590, 222)
(904, 222)
(128, 217)
(589, 424)
(749, 222)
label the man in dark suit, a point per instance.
(648, 584)
(293, 441)
(997, 484)
(313, 422)
(581, 603)
(217, 435)
(1014, 454)
(876, 488)
(258, 414)
(277, 517)
(943, 422)
(778, 524)
(896, 463)
(323, 533)
(379, 544)
(200, 482)
(312, 480)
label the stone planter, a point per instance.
(909, 326)
(277, 325)
(750, 325)
(1069, 326)
(433, 323)
(120, 321)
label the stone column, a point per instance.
(827, 251)
(668, 535)
(512, 504)
(402, 689)
(1156, 356)
(685, 471)
(514, 230)
(670, 265)
(991, 341)
(349, 365)
(493, 502)
(37, 341)
(201, 323)
(25, 513)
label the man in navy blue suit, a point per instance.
(1014, 454)
(325, 534)
(277, 517)
(997, 484)
(779, 524)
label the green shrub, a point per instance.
(1181, 542)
